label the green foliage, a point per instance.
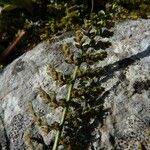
(132, 9)
(48, 20)
(67, 19)
(9, 5)
(42, 19)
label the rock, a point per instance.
(125, 124)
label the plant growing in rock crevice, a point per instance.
(81, 104)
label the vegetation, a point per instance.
(42, 19)
(74, 131)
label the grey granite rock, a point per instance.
(129, 87)
(127, 97)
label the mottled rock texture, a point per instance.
(126, 124)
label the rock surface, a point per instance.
(127, 95)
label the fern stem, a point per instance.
(65, 110)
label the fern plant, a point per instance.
(80, 104)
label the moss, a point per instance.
(55, 18)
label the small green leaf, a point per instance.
(9, 7)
